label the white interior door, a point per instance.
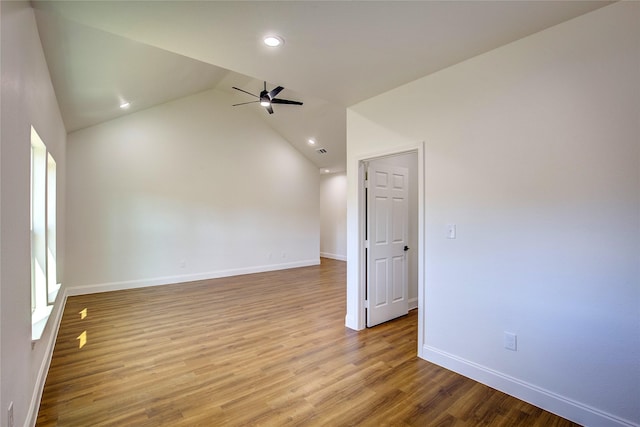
(387, 233)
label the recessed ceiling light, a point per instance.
(273, 41)
(125, 105)
(311, 142)
(327, 171)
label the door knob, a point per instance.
(406, 248)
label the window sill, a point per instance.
(39, 321)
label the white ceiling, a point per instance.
(336, 53)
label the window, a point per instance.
(44, 284)
(52, 272)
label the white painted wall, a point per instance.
(187, 190)
(333, 216)
(533, 150)
(27, 100)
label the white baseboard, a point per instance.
(333, 256)
(54, 324)
(167, 280)
(542, 398)
(350, 322)
(413, 303)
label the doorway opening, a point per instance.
(413, 158)
(391, 223)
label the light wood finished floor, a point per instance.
(267, 349)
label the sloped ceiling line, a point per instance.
(335, 55)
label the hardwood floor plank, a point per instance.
(265, 349)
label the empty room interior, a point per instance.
(320, 213)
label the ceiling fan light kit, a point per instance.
(267, 98)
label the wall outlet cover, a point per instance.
(510, 341)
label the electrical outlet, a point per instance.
(510, 341)
(10, 422)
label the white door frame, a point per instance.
(360, 319)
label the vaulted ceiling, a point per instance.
(335, 54)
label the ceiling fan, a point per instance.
(267, 98)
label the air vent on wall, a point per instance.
(321, 151)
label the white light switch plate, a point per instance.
(451, 231)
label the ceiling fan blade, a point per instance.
(243, 103)
(285, 101)
(242, 90)
(275, 92)
(269, 109)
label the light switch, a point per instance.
(451, 231)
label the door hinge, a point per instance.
(366, 244)
(366, 183)
(366, 304)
